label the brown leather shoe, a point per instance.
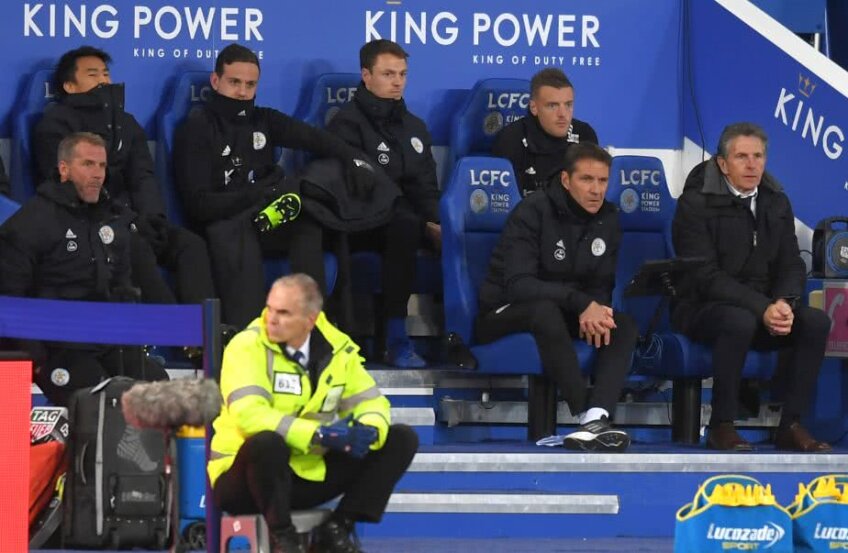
(725, 438)
(796, 438)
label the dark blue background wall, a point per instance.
(623, 55)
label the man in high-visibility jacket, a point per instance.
(285, 379)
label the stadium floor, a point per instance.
(607, 545)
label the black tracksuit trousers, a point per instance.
(554, 330)
(185, 255)
(237, 250)
(398, 241)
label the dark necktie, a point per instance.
(300, 359)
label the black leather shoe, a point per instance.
(286, 541)
(724, 437)
(796, 438)
(335, 536)
(458, 353)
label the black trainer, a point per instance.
(597, 435)
(286, 541)
(336, 536)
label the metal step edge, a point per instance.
(386, 391)
(463, 411)
(443, 378)
(511, 503)
(566, 462)
(414, 416)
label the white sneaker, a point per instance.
(597, 435)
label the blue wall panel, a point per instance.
(751, 78)
(622, 55)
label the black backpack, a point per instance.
(118, 492)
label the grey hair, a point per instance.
(313, 301)
(736, 130)
(69, 144)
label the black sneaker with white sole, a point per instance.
(597, 435)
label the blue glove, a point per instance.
(347, 436)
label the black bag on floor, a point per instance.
(118, 490)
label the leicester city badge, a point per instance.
(598, 247)
(492, 123)
(259, 140)
(60, 377)
(629, 200)
(107, 235)
(479, 201)
(417, 145)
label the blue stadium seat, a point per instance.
(7, 208)
(329, 92)
(189, 90)
(472, 219)
(638, 186)
(491, 105)
(37, 94)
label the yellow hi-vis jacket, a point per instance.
(264, 390)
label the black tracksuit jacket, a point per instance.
(396, 141)
(535, 155)
(56, 246)
(130, 177)
(552, 249)
(224, 155)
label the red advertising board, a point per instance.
(15, 379)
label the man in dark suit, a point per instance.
(736, 216)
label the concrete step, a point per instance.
(518, 503)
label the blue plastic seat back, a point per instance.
(7, 208)
(189, 91)
(37, 94)
(638, 187)
(491, 105)
(479, 196)
(328, 94)
(275, 267)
